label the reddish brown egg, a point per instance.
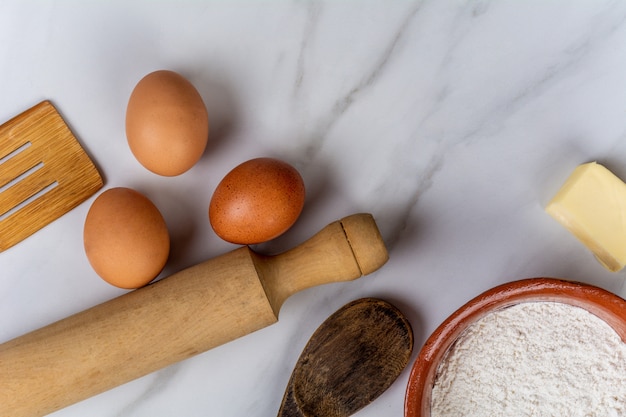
(257, 201)
(167, 125)
(126, 238)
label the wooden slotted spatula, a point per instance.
(44, 173)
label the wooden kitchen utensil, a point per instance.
(44, 173)
(350, 360)
(175, 318)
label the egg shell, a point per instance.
(167, 124)
(257, 201)
(125, 237)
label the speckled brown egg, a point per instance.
(126, 239)
(167, 124)
(257, 201)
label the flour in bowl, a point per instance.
(533, 359)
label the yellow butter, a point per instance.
(592, 206)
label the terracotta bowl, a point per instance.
(605, 305)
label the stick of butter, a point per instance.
(592, 206)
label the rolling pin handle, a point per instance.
(342, 251)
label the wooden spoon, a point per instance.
(350, 360)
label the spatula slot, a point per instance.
(17, 163)
(21, 176)
(26, 186)
(13, 153)
(29, 200)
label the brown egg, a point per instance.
(167, 125)
(257, 201)
(126, 238)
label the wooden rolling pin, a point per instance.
(175, 318)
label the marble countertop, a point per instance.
(452, 122)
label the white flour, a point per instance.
(533, 359)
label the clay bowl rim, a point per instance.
(604, 304)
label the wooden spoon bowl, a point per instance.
(607, 306)
(350, 360)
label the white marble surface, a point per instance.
(453, 122)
